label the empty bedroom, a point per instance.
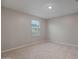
(39, 29)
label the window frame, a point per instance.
(37, 33)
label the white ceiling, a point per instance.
(40, 7)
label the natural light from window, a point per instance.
(35, 28)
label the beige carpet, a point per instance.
(43, 51)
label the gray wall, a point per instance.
(16, 29)
(63, 30)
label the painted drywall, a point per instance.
(63, 30)
(16, 29)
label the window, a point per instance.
(35, 28)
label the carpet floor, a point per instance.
(43, 51)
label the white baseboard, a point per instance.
(28, 44)
(37, 42)
(66, 44)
